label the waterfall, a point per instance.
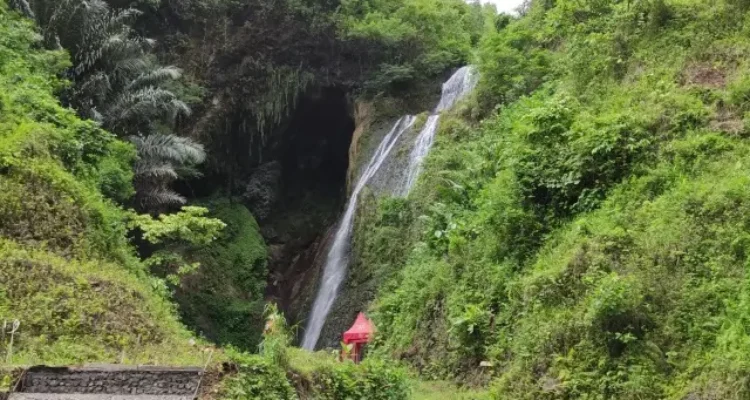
(422, 146)
(459, 85)
(337, 259)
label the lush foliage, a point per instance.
(585, 239)
(223, 299)
(421, 38)
(163, 159)
(55, 167)
(175, 234)
(116, 82)
(85, 311)
(69, 273)
(288, 373)
(580, 230)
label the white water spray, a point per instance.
(337, 259)
(338, 256)
(458, 86)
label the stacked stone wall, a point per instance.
(112, 380)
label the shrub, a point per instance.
(223, 298)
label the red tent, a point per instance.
(360, 333)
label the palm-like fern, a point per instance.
(161, 160)
(117, 83)
(133, 106)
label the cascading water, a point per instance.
(338, 256)
(459, 85)
(422, 146)
(337, 259)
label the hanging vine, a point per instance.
(283, 87)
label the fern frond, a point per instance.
(155, 77)
(95, 87)
(188, 171)
(173, 148)
(179, 107)
(160, 197)
(121, 18)
(146, 103)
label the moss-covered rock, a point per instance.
(224, 299)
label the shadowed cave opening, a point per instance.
(315, 147)
(313, 157)
(295, 188)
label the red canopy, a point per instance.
(361, 331)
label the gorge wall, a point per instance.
(278, 211)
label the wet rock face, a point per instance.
(298, 196)
(263, 189)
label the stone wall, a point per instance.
(112, 380)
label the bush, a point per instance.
(259, 379)
(409, 40)
(370, 380)
(223, 299)
(588, 239)
(511, 64)
(282, 372)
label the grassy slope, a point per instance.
(590, 239)
(68, 273)
(441, 390)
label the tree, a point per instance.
(117, 83)
(174, 235)
(161, 160)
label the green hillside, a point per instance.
(582, 224)
(68, 273)
(171, 173)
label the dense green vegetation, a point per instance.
(281, 372)
(224, 299)
(580, 230)
(115, 81)
(68, 272)
(585, 235)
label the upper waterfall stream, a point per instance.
(460, 84)
(337, 259)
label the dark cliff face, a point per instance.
(315, 150)
(298, 195)
(294, 185)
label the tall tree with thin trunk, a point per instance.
(117, 82)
